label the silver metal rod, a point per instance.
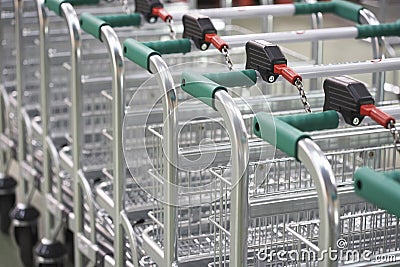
(131, 237)
(236, 128)
(169, 102)
(316, 46)
(20, 85)
(321, 171)
(240, 12)
(369, 66)
(114, 48)
(5, 154)
(73, 25)
(294, 36)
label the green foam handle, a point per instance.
(92, 24)
(379, 30)
(379, 188)
(122, 20)
(170, 46)
(138, 53)
(54, 5)
(285, 132)
(234, 78)
(200, 87)
(343, 9)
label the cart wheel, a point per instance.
(7, 201)
(69, 243)
(50, 253)
(25, 220)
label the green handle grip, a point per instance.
(92, 24)
(138, 53)
(200, 87)
(234, 78)
(170, 46)
(54, 5)
(286, 131)
(122, 20)
(379, 188)
(387, 29)
(309, 122)
(343, 9)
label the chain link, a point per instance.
(228, 60)
(299, 85)
(125, 6)
(395, 134)
(172, 33)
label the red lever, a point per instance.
(287, 73)
(215, 40)
(161, 13)
(376, 114)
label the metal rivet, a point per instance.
(356, 121)
(203, 46)
(271, 79)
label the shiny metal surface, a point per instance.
(321, 171)
(236, 128)
(114, 48)
(169, 102)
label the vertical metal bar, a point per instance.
(72, 21)
(316, 47)
(236, 128)
(110, 38)
(378, 78)
(169, 102)
(18, 11)
(328, 202)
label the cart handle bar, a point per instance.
(379, 30)
(55, 5)
(204, 86)
(379, 188)
(290, 129)
(343, 9)
(92, 24)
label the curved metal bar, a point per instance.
(87, 191)
(321, 171)
(169, 102)
(378, 78)
(110, 38)
(26, 131)
(236, 128)
(132, 241)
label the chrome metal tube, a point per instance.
(294, 36)
(114, 48)
(321, 171)
(240, 12)
(236, 128)
(169, 102)
(369, 66)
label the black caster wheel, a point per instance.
(69, 243)
(7, 201)
(25, 221)
(50, 254)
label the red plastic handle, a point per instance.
(287, 73)
(161, 13)
(215, 40)
(377, 115)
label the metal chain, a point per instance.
(395, 134)
(125, 6)
(172, 33)
(228, 60)
(299, 85)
